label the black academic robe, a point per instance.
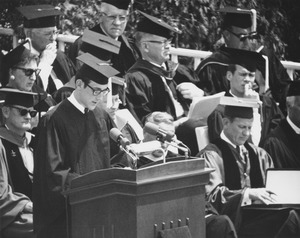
(283, 144)
(11, 202)
(121, 62)
(69, 144)
(20, 176)
(270, 113)
(212, 74)
(64, 70)
(146, 93)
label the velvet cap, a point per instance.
(236, 17)
(239, 107)
(121, 4)
(245, 58)
(39, 16)
(294, 88)
(95, 69)
(16, 97)
(17, 54)
(155, 26)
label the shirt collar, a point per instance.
(74, 101)
(294, 127)
(225, 138)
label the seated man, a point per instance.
(18, 112)
(239, 175)
(15, 208)
(155, 84)
(217, 226)
(40, 26)
(283, 143)
(241, 75)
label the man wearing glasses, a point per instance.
(72, 140)
(154, 83)
(40, 26)
(113, 20)
(237, 34)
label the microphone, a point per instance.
(155, 130)
(118, 137)
(166, 137)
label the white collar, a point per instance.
(74, 101)
(294, 127)
(225, 138)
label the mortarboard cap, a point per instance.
(99, 45)
(121, 4)
(117, 82)
(16, 55)
(294, 88)
(236, 17)
(16, 97)
(155, 26)
(95, 69)
(40, 16)
(239, 107)
(248, 59)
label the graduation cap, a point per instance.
(16, 97)
(99, 45)
(121, 4)
(155, 26)
(245, 58)
(294, 88)
(236, 17)
(95, 69)
(239, 107)
(16, 55)
(117, 83)
(40, 16)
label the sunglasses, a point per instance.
(23, 112)
(242, 37)
(29, 72)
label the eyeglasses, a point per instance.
(163, 42)
(97, 92)
(122, 18)
(29, 72)
(50, 33)
(242, 37)
(23, 112)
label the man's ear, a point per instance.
(225, 122)
(5, 111)
(229, 75)
(226, 36)
(79, 83)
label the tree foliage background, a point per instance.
(278, 21)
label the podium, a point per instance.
(121, 203)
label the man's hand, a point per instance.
(49, 54)
(249, 92)
(189, 90)
(28, 208)
(262, 194)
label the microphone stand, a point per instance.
(185, 150)
(132, 155)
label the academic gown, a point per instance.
(122, 62)
(283, 144)
(270, 113)
(21, 177)
(212, 74)
(64, 70)
(146, 92)
(11, 203)
(225, 191)
(69, 144)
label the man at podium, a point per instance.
(73, 139)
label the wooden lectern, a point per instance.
(121, 203)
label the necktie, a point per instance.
(86, 110)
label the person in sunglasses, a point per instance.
(237, 33)
(18, 142)
(20, 71)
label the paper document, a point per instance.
(202, 107)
